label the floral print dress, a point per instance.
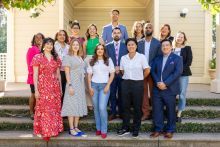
(47, 118)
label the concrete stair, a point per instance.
(200, 128)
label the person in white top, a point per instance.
(61, 47)
(99, 81)
(134, 68)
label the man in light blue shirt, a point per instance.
(107, 30)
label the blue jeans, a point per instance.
(184, 80)
(100, 101)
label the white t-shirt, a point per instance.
(133, 68)
(147, 50)
(100, 71)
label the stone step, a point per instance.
(26, 139)
(187, 125)
(190, 112)
(20, 100)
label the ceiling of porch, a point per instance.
(109, 3)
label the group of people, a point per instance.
(70, 75)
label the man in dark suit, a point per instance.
(115, 50)
(166, 70)
(151, 48)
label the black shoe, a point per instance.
(123, 132)
(135, 134)
(179, 119)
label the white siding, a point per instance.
(193, 25)
(24, 28)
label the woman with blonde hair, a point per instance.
(74, 104)
(138, 30)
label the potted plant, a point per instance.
(2, 84)
(212, 68)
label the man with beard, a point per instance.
(107, 30)
(115, 50)
(151, 48)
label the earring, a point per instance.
(43, 48)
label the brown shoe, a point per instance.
(111, 117)
(168, 135)
(155, 134)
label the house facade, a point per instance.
(197, 25)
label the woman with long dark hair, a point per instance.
(47, 83)
(99, 81)
(36, 44)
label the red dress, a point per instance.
(47, 119)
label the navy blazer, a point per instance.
(187, 56)
(107, 33)
(170, 75)
(111, 52)
(155, 49)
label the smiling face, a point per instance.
(100, 51)
(114, 16)
(92, 31)
(132, 47)
(166, 47)
(165, 31)
(48, 47)
(138, 28)
(75, 30)
(180, 39)
(61, 36)
(38, 40)
(75, 46)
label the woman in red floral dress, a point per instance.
(47, 118)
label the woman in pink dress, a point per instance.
(47, 82)
(32, 51)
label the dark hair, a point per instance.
(131, 39)
(168, 26)
(95, 56)
(33, 39)
(87, 31)
(53, 52)
(116, 28)
(66, 36)
(75, 23)
(165, 40)
(115, 10)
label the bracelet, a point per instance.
(70, 85)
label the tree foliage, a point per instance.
(24, 4)
(212, 5)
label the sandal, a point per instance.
(74, 133)
(80, 132)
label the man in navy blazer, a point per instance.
(151, 48)
(115, 50)
(107, 30)
(165, 70)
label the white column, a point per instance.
(215, 84)
(10, 67)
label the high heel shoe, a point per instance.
(46, 139)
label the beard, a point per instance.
(116, 38)
(148, 33)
